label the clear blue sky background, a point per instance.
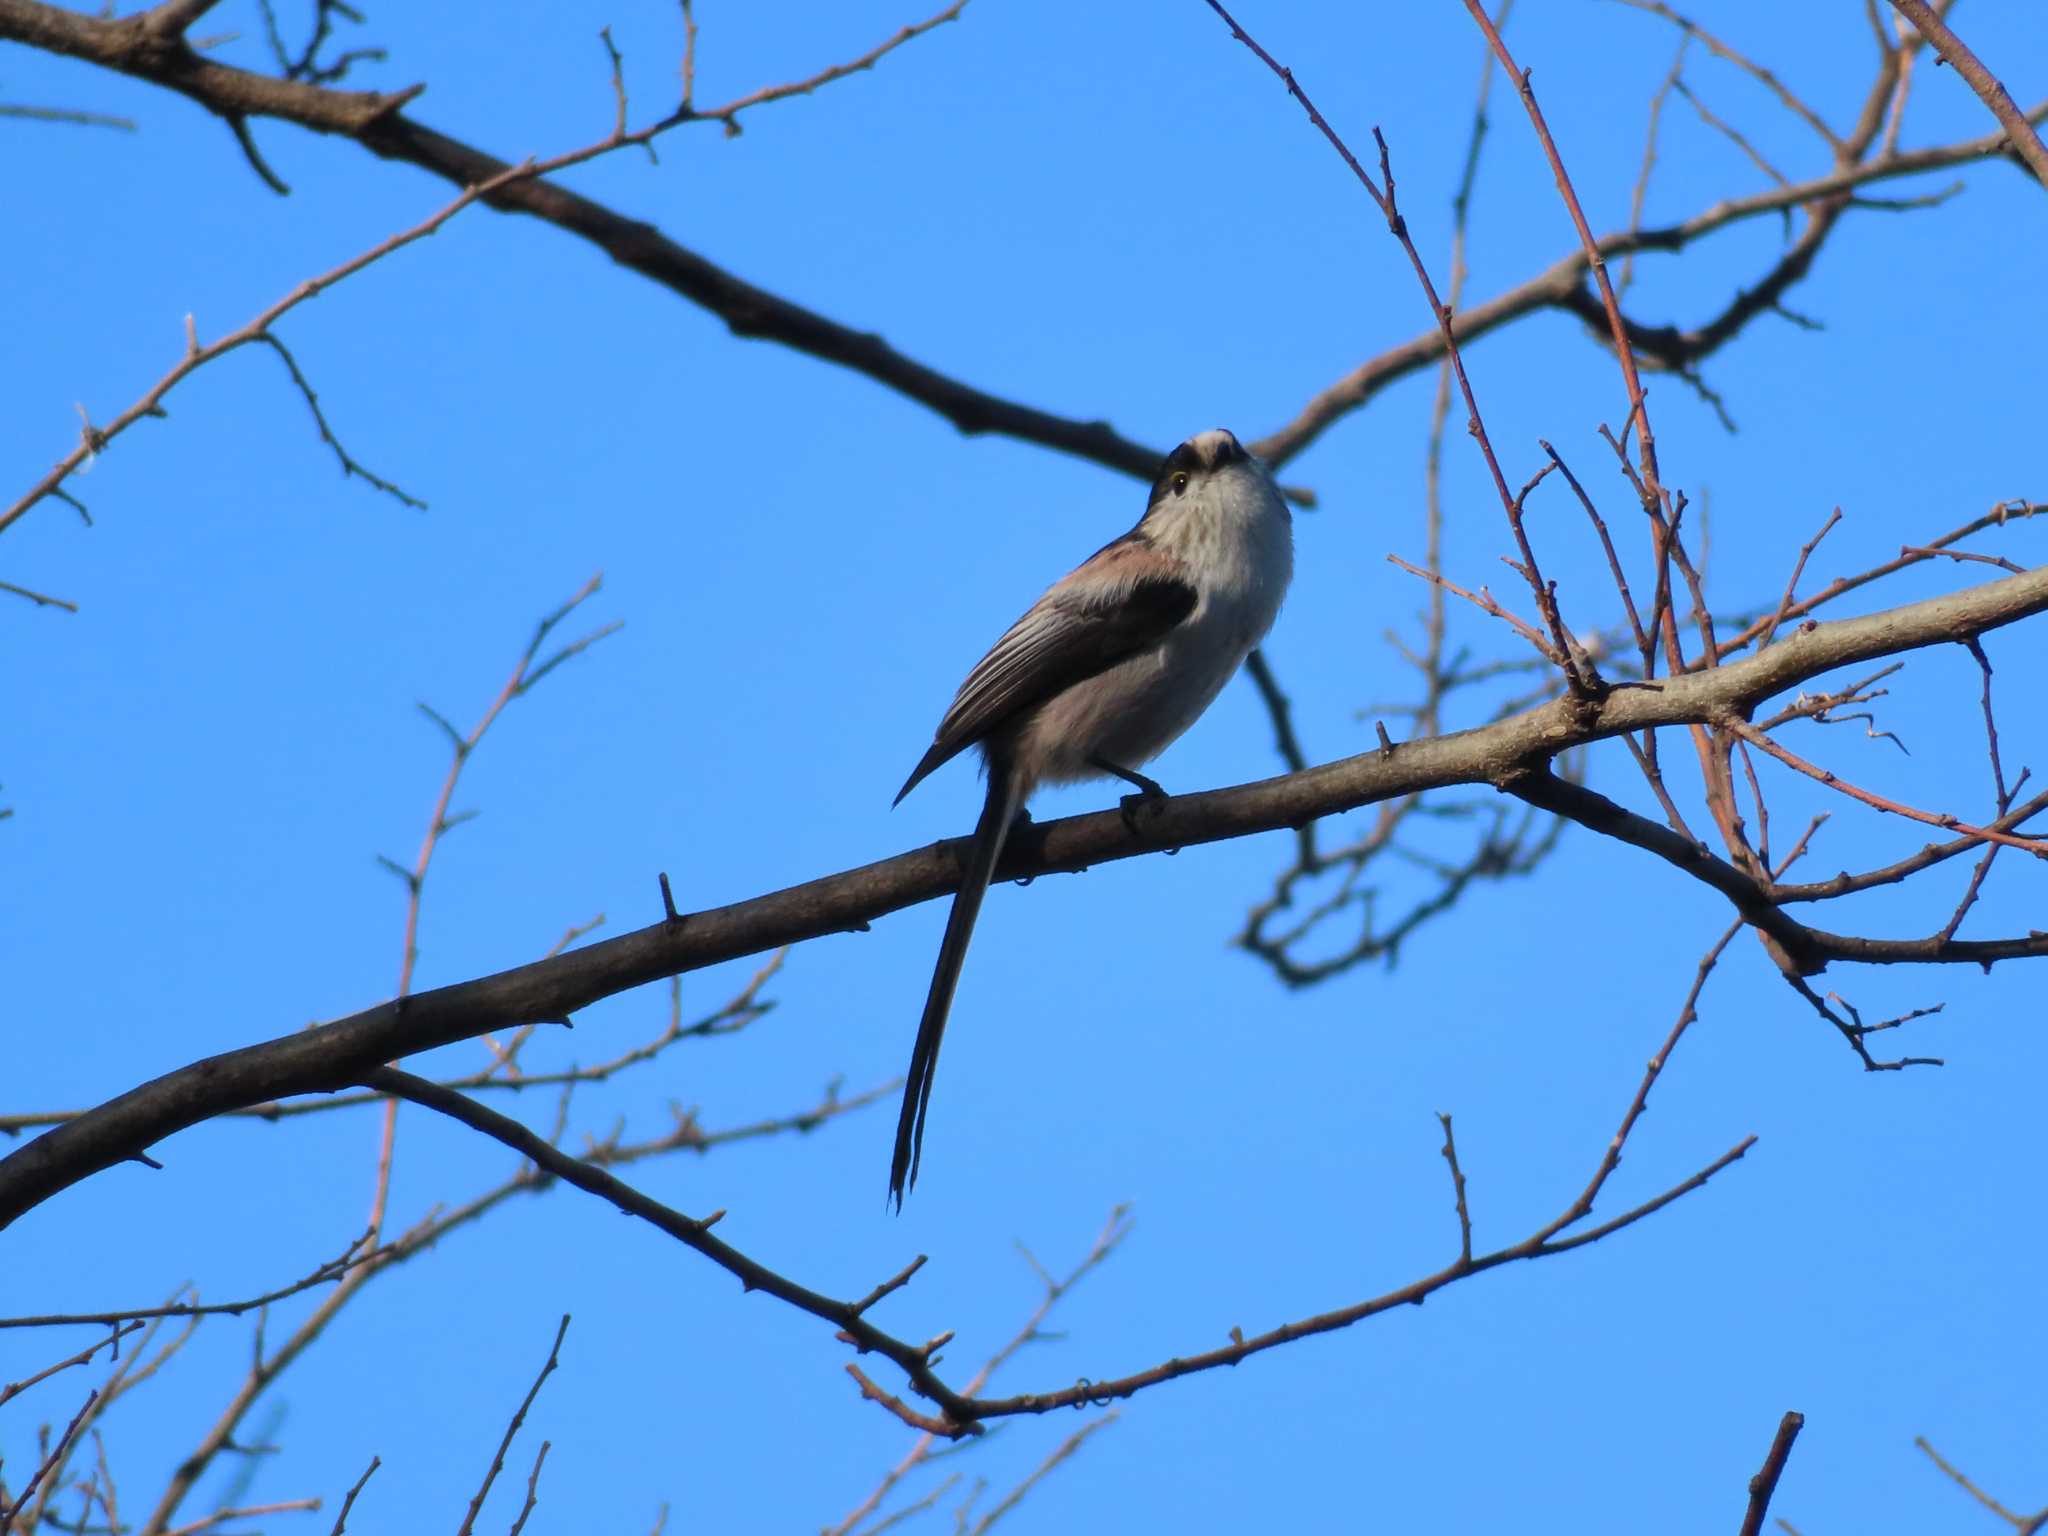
(1106, 211)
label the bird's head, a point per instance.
(1211, 477)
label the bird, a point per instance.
(1101, 675)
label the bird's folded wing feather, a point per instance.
(1072, 633)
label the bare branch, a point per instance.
(375, 121)
(532, 1489)
(1733, 134)
(226, 1516)
(2026, 1525)
(67, 115)
(1560, 286)
(44, 1476)
(729, 113)
(1748, 66)
(112, 1341)
(924, 1449)
(2025, 142)
(40, 599)
(2037, 846)
(1596, 261)
(349, 1500)
(1765, 1483)
(1656, 119)
(547, 1369)
(1458, 1191)
(1060, 1453)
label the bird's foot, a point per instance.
(1149, 796)
(1025, 834)
(1149, 802)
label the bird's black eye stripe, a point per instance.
(1175, 472)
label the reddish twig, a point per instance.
(2037, 846)
(1765, 1483)
(1846, 884)
(1484, 601)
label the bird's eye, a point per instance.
(1180, 483)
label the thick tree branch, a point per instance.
(341, 1054)
(1597, 813)
(173, 18)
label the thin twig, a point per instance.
(2037, 846)
(1642, 187)
(2026, 1524)
(1748, 66)
(1060, 1453)
(547, 1369)
(1485, 602)
(349, 1500)
(1458, 1191)
(1765, 1483)
(112, 1341)
(728, 113)
(1792, 582)
(40, 599)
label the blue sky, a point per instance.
(1111, 212)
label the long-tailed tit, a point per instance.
(1101, 675)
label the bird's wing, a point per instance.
(1078, 629)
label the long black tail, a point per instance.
(1005, 799)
